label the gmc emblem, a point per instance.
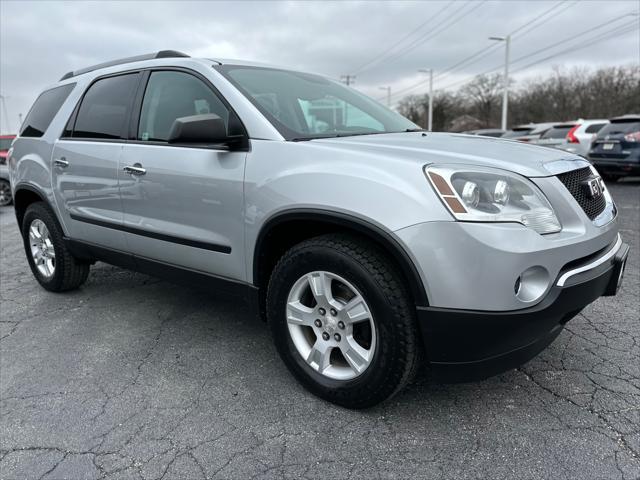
(594, 187)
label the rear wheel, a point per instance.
(5, 193)
(342, 320)
(53, 265)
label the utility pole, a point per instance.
(505, 79)
(348, 79)
(7, 126)
(388, 89)
(429, 121)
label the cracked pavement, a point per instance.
(135, 378)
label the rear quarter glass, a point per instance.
(44, 109)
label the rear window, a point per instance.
(619, 127)
(517, 133)
(557, 132)
(105, 108)
(595, 128)
(44, 109)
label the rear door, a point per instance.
(183, 206)
(85, 162)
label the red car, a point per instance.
(5, 188)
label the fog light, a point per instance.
(531, 285)
(471, 194)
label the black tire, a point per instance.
(69, 272)
(397, 352)
(5, 193)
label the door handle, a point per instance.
(135, 169)
(61, 162)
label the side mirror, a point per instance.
(199, 129)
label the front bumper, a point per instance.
(464, 345)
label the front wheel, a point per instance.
(342, 320)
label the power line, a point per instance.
(380, 57)
(570, 38)
(605, 36)
(452, 20)
(485, 51)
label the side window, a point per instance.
(104, 111)
(170, 95)
(44, 109)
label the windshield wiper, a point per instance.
(415, 130)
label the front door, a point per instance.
(85, 162)
(182, 206)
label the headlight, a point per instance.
(476, 194)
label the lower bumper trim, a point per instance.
(477, 344)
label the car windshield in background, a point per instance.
(616, 128)
(303, 106)
(517, 133)
(557, 132)
(5, 143)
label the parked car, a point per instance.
(5, 145)
(486, 132)
(5, 187)
(367, 243)
(574, 137)
(528, 133)
(615, 152)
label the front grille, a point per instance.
(574, 181)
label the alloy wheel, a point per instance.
(331, 325)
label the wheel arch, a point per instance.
(275, 237)
(24, 195)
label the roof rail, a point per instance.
(138, 58)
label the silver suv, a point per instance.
(369, 245)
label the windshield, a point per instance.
(303, 106)
(5, 143)
(519, 132)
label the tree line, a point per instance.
(562, 96)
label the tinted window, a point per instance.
(105, 107)
(171, 95)
(44, 109)
(517, 133)
(303, 106)
(618, 128)
(557, 132)
(595, 128)
(5, 143)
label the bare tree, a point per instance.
(483, 94)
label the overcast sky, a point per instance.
(383, 43)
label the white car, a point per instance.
(574, 137)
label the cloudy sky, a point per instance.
(383, 43)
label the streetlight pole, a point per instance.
(505, 79)
(430, 111)
(388, 89)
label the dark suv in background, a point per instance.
(615, 152)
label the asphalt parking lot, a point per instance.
(132, 377)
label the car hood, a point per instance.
(448, 148)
